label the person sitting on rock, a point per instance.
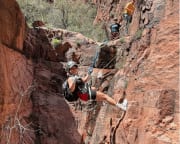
(79, 87)
(115, 29)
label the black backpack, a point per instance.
(68, 95)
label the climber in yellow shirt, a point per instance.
(128, 12)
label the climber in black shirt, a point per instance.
(115, 29)
(79, 89)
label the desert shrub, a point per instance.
(71, 15)
(138, 34)
(55, 42)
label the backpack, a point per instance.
(68, 95)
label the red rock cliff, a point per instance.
(149, 77)
(31, 102)
(16, 74)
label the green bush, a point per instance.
(138, 34)
(55, 42)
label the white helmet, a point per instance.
(70, 64)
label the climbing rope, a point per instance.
(90, 104)
(113, 129)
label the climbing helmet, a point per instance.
(70, 64)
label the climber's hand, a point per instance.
(90, 70)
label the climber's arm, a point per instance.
(72, 83)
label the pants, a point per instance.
(128, 19)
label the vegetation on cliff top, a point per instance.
(71, 15)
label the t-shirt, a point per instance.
(115, 27)
(129, 8)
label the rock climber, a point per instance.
(115, 29)
(79, 87)
(128, 13)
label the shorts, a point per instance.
(87, 96)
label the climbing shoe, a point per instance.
(123, 105)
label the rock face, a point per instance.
(31, 103)
(53, 119)
(142, 67)
(108, 9)
(154, 86)
(150, 81)
(13, 34)
(36, 45)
